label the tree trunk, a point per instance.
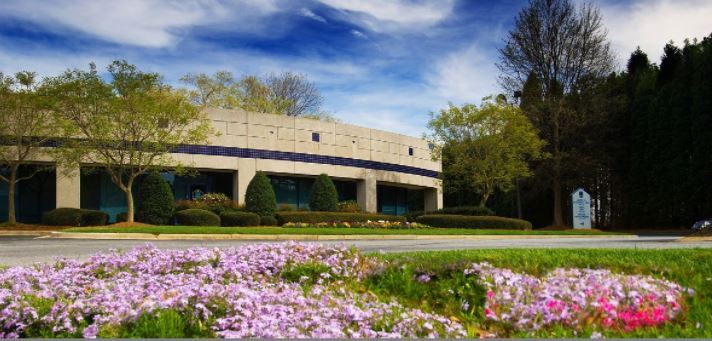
(558, 213)
(129, 205)
(11, 217)
(483, 201)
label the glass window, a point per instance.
(315, 137)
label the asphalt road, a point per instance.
(28, 250)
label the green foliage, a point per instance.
(268, 220)
(350, 206)
(65, 216)
(197, 217)
(474, 222)
(259, 196)
(239, 219)
(155, 201)
(217, 204)
(128, 125)
(489, 145)
(325, 217)
(160, 324)
(307, 273)
(324, 197)
(445, 290)
(458, 210)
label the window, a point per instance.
(315, 137)
(410, 151)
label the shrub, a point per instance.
(65, 216)
(268, 220)
(213, 198)
(474, 222)
(121, 217)
(350, 206)
(326, 217)
(197, 217)
(324, 197)
(458, 210)
(155, 201)
(214, 206)
(239, 219)
(93, 218)
(259, 197)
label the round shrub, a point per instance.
(93, 218)
(65, 216)
(474, 222)
(235, 218)
(259, 196)
(155, 201)
(328, 217)
(268, 220)
(324, 197)
(197, 217)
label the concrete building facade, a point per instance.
(382, 171)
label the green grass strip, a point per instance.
(319, 231)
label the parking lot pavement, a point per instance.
(28, 250)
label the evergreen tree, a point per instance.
(259, 196)
(155, 201)
(324, 196)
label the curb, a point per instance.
(167, 236)
(25, 233)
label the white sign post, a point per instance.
(581, 205)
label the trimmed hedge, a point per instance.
(259, 196)
(65, 216)
(474, 222)
(239, 219)
(457, 210)
(197, 217)
(326, 217)
(324, 197)
(155, 201)
(268, 221)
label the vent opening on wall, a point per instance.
(315, 137)
(410, 151)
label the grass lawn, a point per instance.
(315, 231)
(690, 268)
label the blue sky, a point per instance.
(381, 64)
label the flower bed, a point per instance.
(265, 290)
(389, 225)
(578, 299)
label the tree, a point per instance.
(259, 196)
(26, 124)
(155, 204)
(302, 96)
(324, 197)
(219, 91)
(128, 126)
(561, 46)
(488, 145)
(257, 97)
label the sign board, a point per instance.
(581, 205)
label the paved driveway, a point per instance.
(27, 250)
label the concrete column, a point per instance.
(433, 199)
(68, 187)
(366, 194)
(245, 172)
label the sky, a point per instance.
(382, 64)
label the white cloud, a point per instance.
(358, 34)
(467, 75)
(309, 14)
(146, 23)
(650, 24)
(379, 16)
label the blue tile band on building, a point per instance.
(290, 156)
(302, 157)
